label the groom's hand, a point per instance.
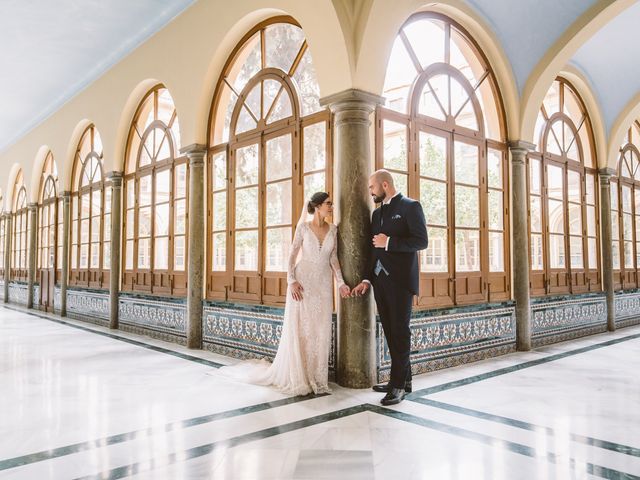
(380, 240)
(360, 289)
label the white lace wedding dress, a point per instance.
(300, 366)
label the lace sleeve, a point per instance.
(293, 255)
(335, 263)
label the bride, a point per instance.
(300, 366)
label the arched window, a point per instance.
(269, 149)
(47, 216)
(625, 212)
(563, 196)
(3, 236)
(155, 203)
(441, 134)
(19, 244)
(90, 215)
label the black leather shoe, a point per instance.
(393, 397)
(384, 387)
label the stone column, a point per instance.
(520, 202)
(31, 259)
(64, 281)
(352, 109)
(116, 244)
(195, 241)
(8, 221)
(607, 251)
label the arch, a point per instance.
(36, 173)
(385, 20)
(558, 56)
(68, 162)
(14, 172)
(618, 130)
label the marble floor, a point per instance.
(81, 402)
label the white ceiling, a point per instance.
(51, 50)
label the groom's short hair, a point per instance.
(383, 175)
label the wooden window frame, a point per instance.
(19, 270)
(443, 289)
(260, 286)
(565, 280)
(152, 280)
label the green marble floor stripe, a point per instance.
(155, 348)
(514, 368)
(195, 452)
(135, 434)
(593, 442)
(596, 470)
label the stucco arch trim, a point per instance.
(11, 180)
(628, 115)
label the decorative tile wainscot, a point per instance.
(18, 293)
(87, 305)
(627, 305)
(572, 317)
(160, 318)
(441, 339)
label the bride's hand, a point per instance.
(296, 291)
(345, 291)
(360, 289)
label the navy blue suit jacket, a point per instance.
(402, 220)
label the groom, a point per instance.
(399, 232)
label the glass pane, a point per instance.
(281, 109)
(129, 255)
(145, 191)
(615, 251)
(433, 196)
(556, 251)
(84, 231)
(282, 44)
(427, 39)
(575, 219)
(180, 181)
(96, 202)
(615, 232)
(394, 145)
(180, 212)
(144, 253)
(573, 186)
(590, 189)
(246, 251)
(279, 158)
(161, 254)
(305, 78)
(435, 258)
(496, 252)
(400, 182)
(144, 222)
(84, 256)
(131, 193)
(614, 196)
(247, 208)
(554, 182)
(278, 203)
(495, 210)
(433, 156)
(467, 200)
(130, 225)
(219, 170)
(95, 229)
(74, 257)
(95, 255)
(430, 105)
(85, 207)
(178, 253)
(315, 147)
(628, 255)
(626, 199)
(467, 250)
(494, 169)
(107, 200)
(570, 143)
(467, 115)
(637, 202)
(219, 252)
(534, 176)
(537, 261)
(245, 121)
(627, 226)
(277, 254)
(314, 183)
(593, 254)
(106, 255)
(536, 214)
(576, 252)
(556, 216)
(249, 63)
(466, 163)
(399, 77)
(247, 165)
(591, 221)
(554, 139)
(163, 186)
(162, 220)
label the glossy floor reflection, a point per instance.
(82, 402)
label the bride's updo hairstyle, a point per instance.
(317, 199)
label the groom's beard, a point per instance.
(379, 198)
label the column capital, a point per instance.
(521, 146)
(606, 172)
(352, 99)
(115, 178)
(195, 152)
(31, 206)
(66, 195)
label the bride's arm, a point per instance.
(335, 263)
(293, 255)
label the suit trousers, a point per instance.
(394, 303)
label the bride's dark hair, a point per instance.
(317, 199)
